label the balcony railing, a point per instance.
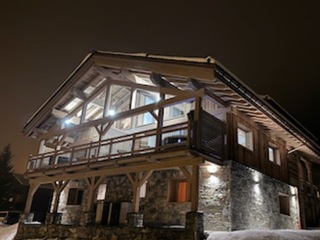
(205, 136)
(113, 148)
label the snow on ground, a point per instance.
(7, 232)
(266, 235)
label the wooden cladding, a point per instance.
(207, 134)
(258, 156)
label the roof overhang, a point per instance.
(181, 72)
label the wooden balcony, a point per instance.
(175, 143)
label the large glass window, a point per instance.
(119, 100)
(144, 98)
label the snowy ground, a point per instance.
(266, 235)
(7, 232)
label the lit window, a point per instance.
(179, 190)
(143, 100)
(245, 138)
(75, 196)
(143, 190)
(102, 192)
(284, 204)
(273, 155)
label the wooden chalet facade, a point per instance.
(156, 134)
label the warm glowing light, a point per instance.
(112, 112)
(256, 176)
(256, 189)
(67, 122)
(212, 168)
(214, 180)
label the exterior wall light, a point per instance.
(212, 168)
(67, 121)
(112, 112)
(256, 176)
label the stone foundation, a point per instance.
(100, 233)
(255, 201)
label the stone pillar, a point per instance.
(194, 225)
(135, 219)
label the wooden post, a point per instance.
(137, 182)
(309, 171)
(195, 188)
(92, 184)
(32, 189)
(159, 125)
(58, 188)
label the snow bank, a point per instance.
(266, 235)
(7, 232)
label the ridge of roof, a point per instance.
(207, 59)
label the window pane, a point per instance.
(242, 137)
(271, 154)
(182, 192)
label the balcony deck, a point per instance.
(171, 146)
(171, 142)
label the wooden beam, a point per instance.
(136, 182)
(32, 189)
(121, 115)
(58, 188)
(159, 81)
(112, 171)
(92, 185)
(195, 188)
(185, 171)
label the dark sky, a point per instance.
(272, 46)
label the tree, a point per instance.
(6, 177)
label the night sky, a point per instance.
(272, 46)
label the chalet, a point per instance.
(154, 142)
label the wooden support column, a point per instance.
(160, 124)
(58, 188)
(32, 189)
(92, 184)
(137, 181)
(196, 119)
(195, 188)
(309, 171)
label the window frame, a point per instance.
(248, 137)
(274, 153)
(75, 196)
(284, 204)
(174, 189)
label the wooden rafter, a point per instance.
(159, 81)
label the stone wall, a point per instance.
(70, 213)
(100, 233)
(155, 206)
(255, 201)
(119, 189)
(214, 197)
(231, 197)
